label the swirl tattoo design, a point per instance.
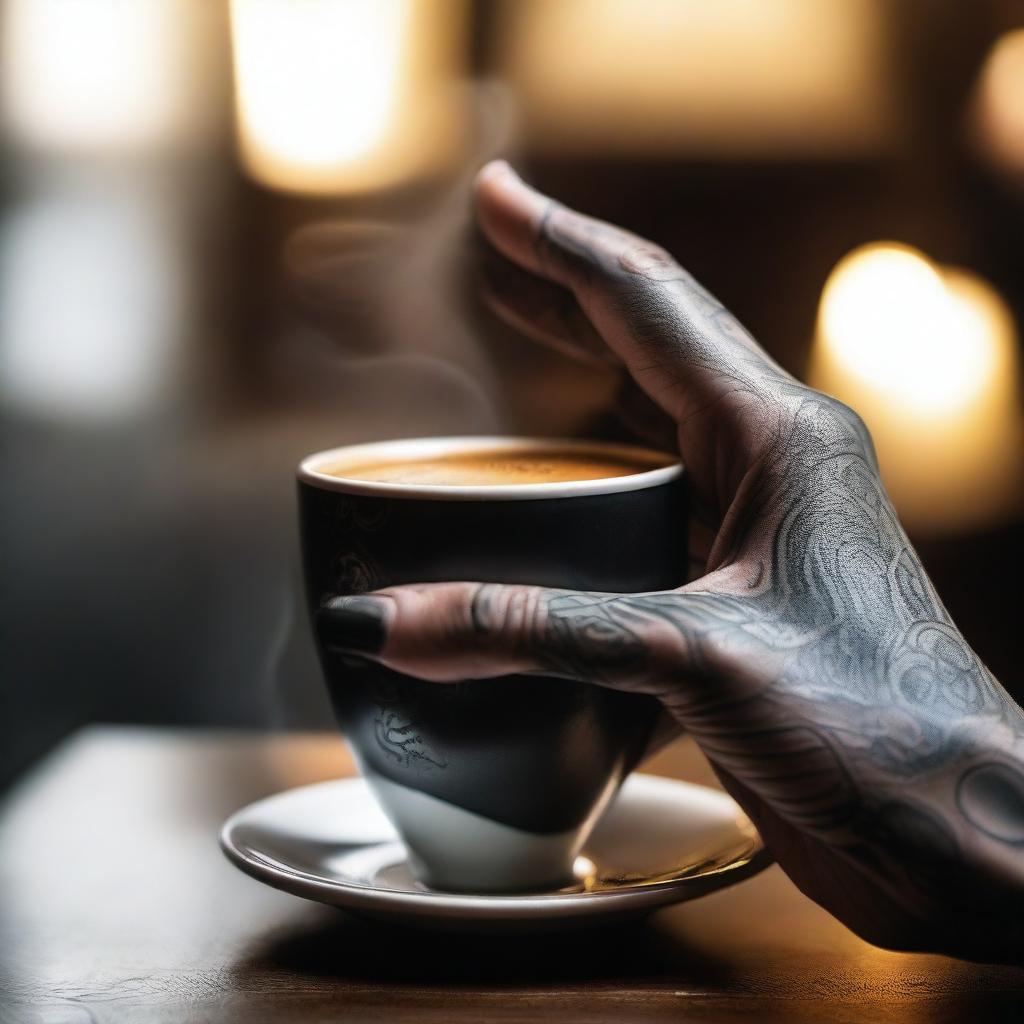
(835, 677)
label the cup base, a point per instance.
(455, 850)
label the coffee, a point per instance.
(497, 467)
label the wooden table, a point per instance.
(117, 905)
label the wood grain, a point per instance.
(117, 905)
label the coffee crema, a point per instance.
(498, 467)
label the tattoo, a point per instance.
(991, 797)
(398, 735)
(563, 251)
(583, 629)
(839, 675)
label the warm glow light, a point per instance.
(999, 101)
(317, 83)
(891, 321)
(339, 94)
(724, 77)
(95, 77)
(927, 355)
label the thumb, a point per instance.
(447, 632)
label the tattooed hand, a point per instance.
(812, 661)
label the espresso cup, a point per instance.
(493, 784)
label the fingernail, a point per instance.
(356, 624)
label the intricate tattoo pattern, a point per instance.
(399, 736)
(991, 797)
(839, 677)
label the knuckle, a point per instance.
(826, 422)
(841, 412)
(648, 261)
(591, 629)
(846, 419)
(500, 612)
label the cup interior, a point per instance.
(314, 468)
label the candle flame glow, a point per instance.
(891, 320)
(927, 355)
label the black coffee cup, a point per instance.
(493, 784)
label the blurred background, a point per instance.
(232, 233)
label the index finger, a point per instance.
(683, 347)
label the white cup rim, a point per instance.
(310, 469)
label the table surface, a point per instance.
(117, 905)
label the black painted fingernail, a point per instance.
(354, 624)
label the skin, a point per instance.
(812, 660)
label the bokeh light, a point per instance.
(340, 95)
(687, 76)
(103, 78)
(999, 102)
(928, 356)
(891, 321)
(92, 300)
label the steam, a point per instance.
(385, 342)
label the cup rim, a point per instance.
(309, 473)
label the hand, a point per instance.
(813, 662)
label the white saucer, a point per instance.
(660, 842)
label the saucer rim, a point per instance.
(503, 906)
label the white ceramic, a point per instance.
(660, 841)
